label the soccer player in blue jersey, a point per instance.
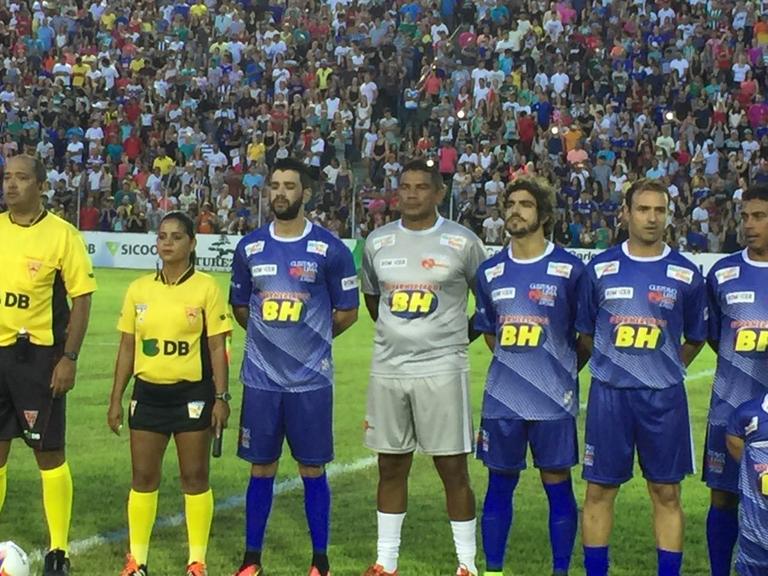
(643, 306)
(294, 287)
(527, 296)
(738, 331)
(748, 444)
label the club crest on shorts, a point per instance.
(245, 437)
(133, 407)
(195, 409)
(31, 417)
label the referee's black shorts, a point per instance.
(171, 408)
(28, 409)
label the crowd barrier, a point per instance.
(214, 251)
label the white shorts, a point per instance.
(431, 413)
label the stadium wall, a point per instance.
(214, 251)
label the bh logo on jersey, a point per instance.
(637, 338)
(521, 337)
(751, 341)
(279, 312)
(410, 304)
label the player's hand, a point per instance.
(115, 417)
(220, 416)
(63, 379)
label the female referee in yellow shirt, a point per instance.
(173, 324)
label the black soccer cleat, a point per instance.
(56, 564)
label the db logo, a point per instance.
(153, 347)
(282, 311)
(638, 338)
(411, 304)
(13, 300)
(748, 340)
(521, 336)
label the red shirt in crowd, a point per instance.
(89, 218)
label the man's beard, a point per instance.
(288, 213)
(530, 228)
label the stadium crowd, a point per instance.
(139, 107)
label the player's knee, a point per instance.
(724, 500)
(145, 479)
(48, 460)
(306, 471)
(393, 467)
(600, 495)
(665, 495)
(194, 480)
(264, 470)
(453, 469)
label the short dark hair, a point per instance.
(419, 165)
(296, 166)
(38, 168)
(644, 185)
(544, 194)
(755, 192)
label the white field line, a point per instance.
(233, 502)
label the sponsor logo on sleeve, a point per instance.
(264, 270)
(560, 269)
(740, 298)
(453, 241)
(350, 283)
(680, 273)
(620, 293)
(383, 241)
(317, 247)
(726, 274)
(503, 294)
(494, 271)
(393, 263)
(607, 268)
(254, 248)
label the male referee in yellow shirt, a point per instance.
(43, 261)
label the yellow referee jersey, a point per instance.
(171, 324)
(40, 265)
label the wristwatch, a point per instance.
(71, 355)
(223, 396)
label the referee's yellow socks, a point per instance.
(199, 513)
(142, 511)
(3, 484)
(57, 501)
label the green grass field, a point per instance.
(101, 469)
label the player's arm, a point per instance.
(735, 446)
(690, 350)
(490, 341)
(123, 373)
(372, 305)
(584, 344)
(343, 319)
(241, 316)
(472, 332)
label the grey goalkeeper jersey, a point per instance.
(422, 278)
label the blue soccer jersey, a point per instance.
(291, 286)
(750, 423)
(530, 306)
(738, 319)
(638, 310)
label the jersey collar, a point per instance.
(435, 226)
(307, 230)
(184, 277)
(748, 260)
(664, 253)
(40, 218)
(547, 251)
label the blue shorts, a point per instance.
(751, 559)
(502, 443)
(719, 471)
(653, 421)
(304, 419)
